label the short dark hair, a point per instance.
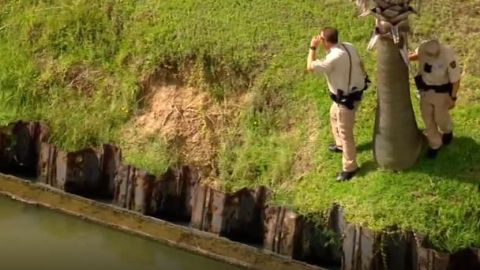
(330, 35)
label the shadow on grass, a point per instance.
(365, 147)
(459, 161)
(367, 167)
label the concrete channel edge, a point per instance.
(182, 237)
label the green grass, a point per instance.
(77, 64)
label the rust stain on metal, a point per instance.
(111, 160)
(429, 259)
(133, 189)
(173, 194)
(283, 231)
(47, 164)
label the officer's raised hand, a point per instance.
(316, 40)
(413, 56)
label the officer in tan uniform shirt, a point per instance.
(438, 81)
(347, 80)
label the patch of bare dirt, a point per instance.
(190, 121)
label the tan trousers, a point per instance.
(435, 113)
(342, 121)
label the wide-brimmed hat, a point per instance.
(430, 49)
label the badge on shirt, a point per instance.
(453, 64)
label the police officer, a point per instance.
(347, 80)
(438, 81)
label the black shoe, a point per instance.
(447, 138)
(432, 153)
(334, 148)
(345, 176)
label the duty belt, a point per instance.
(350, 99)
(347, 100)
(422, 86)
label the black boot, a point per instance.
(334, 148)
(447, 138)
(345, 176)
(432, 153)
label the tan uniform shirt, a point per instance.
(441, 70)
(336, 67)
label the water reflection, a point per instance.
(36, 238)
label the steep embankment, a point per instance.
(235, 99)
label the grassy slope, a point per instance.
(77, 64)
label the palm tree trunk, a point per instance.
(397, 139)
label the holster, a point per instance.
(347, 100)
(419, 83)
(350, 99)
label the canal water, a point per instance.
(36, 238)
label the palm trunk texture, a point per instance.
(397, 139)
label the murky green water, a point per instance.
(37, 238)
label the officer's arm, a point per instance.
(454, 73)
(456, 86)
(413, 56)
(312, 56)
(320, 66)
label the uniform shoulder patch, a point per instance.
(453, 64)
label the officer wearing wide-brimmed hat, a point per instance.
(438, 81)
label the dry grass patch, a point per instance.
(188, 120)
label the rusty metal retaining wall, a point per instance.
(20, 147)
(243, 216)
